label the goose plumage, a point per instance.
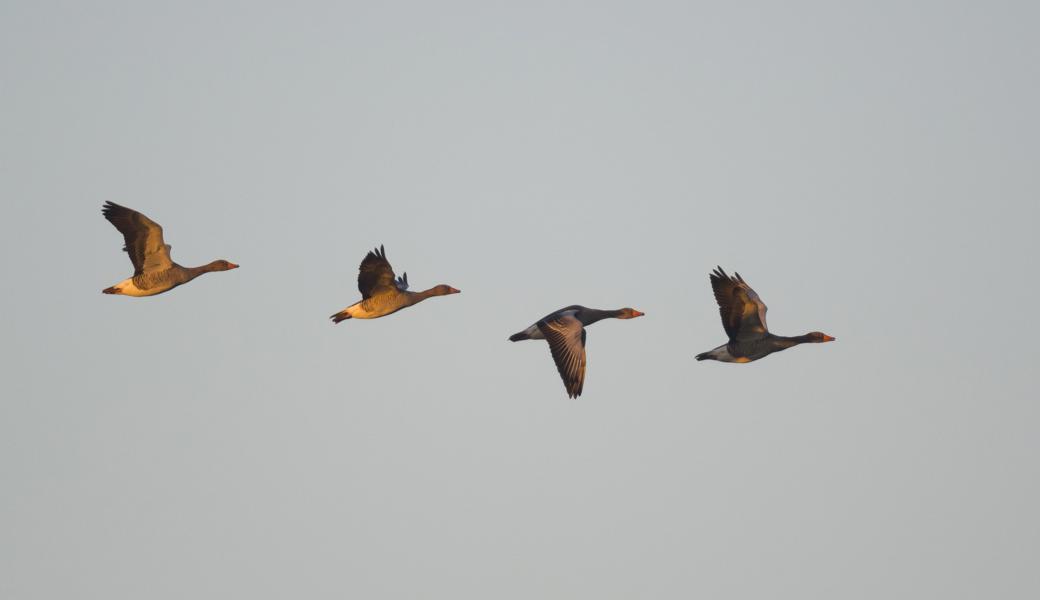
(154, 270)
(383, 293)
(564, 330)
(744, 319)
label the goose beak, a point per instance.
(232, 265)
(828, 338)
(454, 291)
(636, 313)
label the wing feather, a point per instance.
(743, 312)
(142, 237)
(566, 337)
(376, 276)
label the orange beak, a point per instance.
(636, 313)
(232, 265)
(828, 338)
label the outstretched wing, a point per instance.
(376, 275)
(566, 337)
(402, 282)
(142, 236)
(743, 312)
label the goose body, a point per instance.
(383, 293)
(564, 329)
(154, 270)
(744, 319)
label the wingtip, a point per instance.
(111, 210)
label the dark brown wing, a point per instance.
(142, 236)
(376, 275)
(566, 337)
(743, 312)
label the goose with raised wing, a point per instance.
(383, 293)
(744, 319)
(154, 270)
(565, 332)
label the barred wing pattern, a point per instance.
(566, 337)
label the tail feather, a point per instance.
(516, 337)
(110, 290)
(703, 356)
(340, 316)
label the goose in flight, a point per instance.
(382, 293)
(154, 270)
(565, 332)
(744, 319)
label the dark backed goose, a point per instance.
(382, 293)
(154, 270)
(744, 319)
(565, 332)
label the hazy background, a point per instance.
(870, 168)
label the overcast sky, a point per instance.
(870, 168)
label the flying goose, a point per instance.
(382, 293)
(154, 270)
(744, 319)
(565, 332)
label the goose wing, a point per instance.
(143, 238)
(376, 276)
(566, 337)
(743, 312)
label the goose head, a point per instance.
(221, 265)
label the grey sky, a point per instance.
(870, 168)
